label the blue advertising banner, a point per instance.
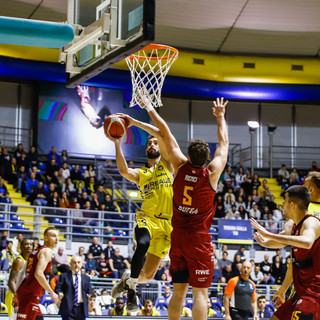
(235, 231)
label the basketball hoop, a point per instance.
(148, 68)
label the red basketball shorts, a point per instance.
(191, 257)
(29, 308)
(304, 308)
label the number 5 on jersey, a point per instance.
(187, 199)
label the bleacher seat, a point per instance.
(270, 306)
(216, 306)
(2, 216)
(4, 308)
(14, 217)
(57, 221)
(161, 305)
(46, 300)
(189, 303)
(41, 166)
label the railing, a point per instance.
(10, 137)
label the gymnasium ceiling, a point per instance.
(248, 27)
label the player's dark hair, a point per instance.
(198, 152)
(24, 240)
(314, 177)
(300, 195)
(120, 298)
(149, 137)
(148, 301)
(48, 230)
(261, 297)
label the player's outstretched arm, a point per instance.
(176, 157)
(44, 257)
(16, 267)
(220, 158)
(310, 231)
(128, 173)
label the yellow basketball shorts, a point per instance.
(160, 232)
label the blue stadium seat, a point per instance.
(46, 300)
(216, 306)
(161, 305)
(41, 166)
(189, 303)
(270, 306)
(57, 221)
(14, 217)
(2, 216)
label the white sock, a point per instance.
(132, 283)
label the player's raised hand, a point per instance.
(113, 139)
(129, 120)
(219, 107)
(144, 99)
(260, 239)
(260, 228)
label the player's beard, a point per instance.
(153, 154)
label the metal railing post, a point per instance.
(69, 228)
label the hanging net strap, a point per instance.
(148, 68)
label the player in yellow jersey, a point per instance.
(153, 229)
(18, 263)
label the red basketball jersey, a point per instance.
(30, 284)
(306, 266)
(193, 199)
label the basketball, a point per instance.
(115, 126)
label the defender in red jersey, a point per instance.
(194, 187)
(32, 287)
(305, 268)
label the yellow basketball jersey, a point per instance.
(314, 208)
(9, 295)
(156, 188)
(125, 313)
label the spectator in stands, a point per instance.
(148, 309)
(89, 215)
(244, 214)
(31, 183)
(255, 212)
(161, 269)
(53, 154)
(23, 161)
(12, 172)
(109, 203)
(91, 185)
(53, 201)
(230, 194)
(7, 255)
(80, 190)
(220, 210)
(255, 195)
(240, 177)
(167, 294)
(64, 201)
(278, 270)
(283, 175)
(263, 187)
(95, 205)
(3, 240)
(32, 157)
(102, 266)
(241, 252)
(295, 175)
(17, 153)
(52, 166)
(256, 275)
(37, 172)
(272, 204)
(278, 253)
(93, 308)
(39, 195)
(120, 308)
(266, 269)
(22, 177)
(101, 193)
(76, 174)
(61, 178)
(83, 199)
(211, 313)
(89, 172)
(90, 263)
(246, 186)
(109, 250)
(233, 213)
(236, 260)
(36, 243)
(227, 273)
(68, 187)
(118, 264)
(81, 254)
(5, 161)
(263, 313)
(228, 173)
(270, 224)
(255, 182)
(16, 243)
(314, 167)
(105, 300)
(61, 261)
(95, 248)
(224, 261)
(65, 170)
(242, 166)
(64, 158)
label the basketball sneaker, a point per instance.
(121, 285)
(132, 301)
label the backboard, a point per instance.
(105, 32)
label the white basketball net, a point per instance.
(148, 69)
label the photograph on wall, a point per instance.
(73, 119)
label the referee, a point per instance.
(240, 296)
